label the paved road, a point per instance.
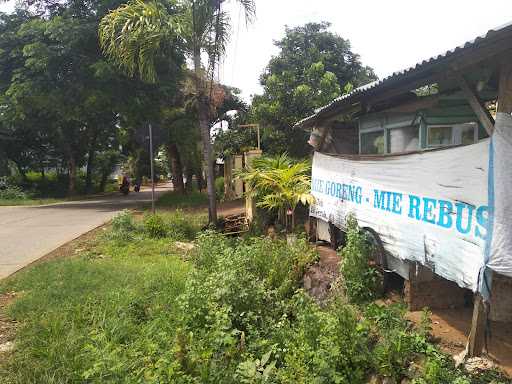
(29, 233)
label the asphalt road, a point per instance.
(29, 233)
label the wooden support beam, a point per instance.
(505, 87)
(476, 340)
(483, 114)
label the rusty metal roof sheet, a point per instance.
(399, 75)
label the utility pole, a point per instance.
(152, 169)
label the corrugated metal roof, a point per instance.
(360, 91)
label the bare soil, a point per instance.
(7, 325)
(450, 328)
(320, 277)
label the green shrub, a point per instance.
(181, 226)
(234, 313)
(154, 226)
(360, 280)
(124, 221)
(12, 192)
(123, 227)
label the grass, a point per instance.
(29, 201)
(105, 310)
(179, 200)
(131, 307)
(34, 190)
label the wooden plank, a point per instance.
(483, 114)
(476, 340)
(505, 87)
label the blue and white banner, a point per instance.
(429, 207)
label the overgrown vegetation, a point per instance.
(231, 311)
(12, 192)
(360, 279)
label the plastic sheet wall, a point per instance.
(429, 207)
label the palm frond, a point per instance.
(249, 7)
(278, 182)
(133, 34)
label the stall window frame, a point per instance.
(452, 139)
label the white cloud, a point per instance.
(7, 6)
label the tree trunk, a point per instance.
(90, 167)
(22, 172)
(190, 174)
(203, 112)
(103, 181)
(43, 175)
(176, 168)
(72, 176)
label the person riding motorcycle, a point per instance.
(125, 185)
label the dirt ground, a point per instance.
(7, 326)
(449, 327)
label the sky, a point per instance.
(388, 35)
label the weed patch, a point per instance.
(234, 313)
(360, 279)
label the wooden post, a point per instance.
(229, 192)
(472, 98)
(239, 185)
(505, 87)
(250, 206)
(476, 340)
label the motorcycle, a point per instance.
(124, 189)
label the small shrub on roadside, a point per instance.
(154, 226)
(360, 280)
(181, 226)
(12, 192)
(123, 222)
(123, 227)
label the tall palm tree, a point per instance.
(137, 33)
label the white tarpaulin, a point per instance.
(428, 207)
(499, 250)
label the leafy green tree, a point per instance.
(135, 34)
(63, 103)
(313, 67)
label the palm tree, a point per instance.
(135, 34)
(279, 184)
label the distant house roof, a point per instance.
(419, 70)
